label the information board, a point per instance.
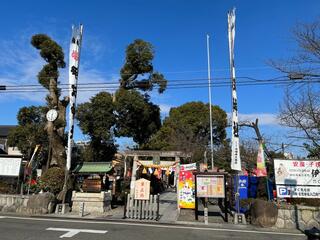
(211, 186)
(10, 166)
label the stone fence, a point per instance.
(10, 203)
(44, 203)
(298, 217)
(41, 203)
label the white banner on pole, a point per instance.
(74, 57)
(235, 149)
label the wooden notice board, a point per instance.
(142, 189)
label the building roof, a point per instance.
(5, 129)
(93, 167)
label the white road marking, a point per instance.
(159, 226)
(72, 231)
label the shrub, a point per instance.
(312, 202)
(52, 180)
(6, 188)
(34, 187)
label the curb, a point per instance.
(153, 222)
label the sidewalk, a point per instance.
(168, 216)
(117, 218)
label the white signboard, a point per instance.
(188, 167)
(297, 178)
(298, 191)
(297, 172)
(10, 166)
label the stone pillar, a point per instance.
(134, 174)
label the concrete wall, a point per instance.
(298, 217)
(93, 202)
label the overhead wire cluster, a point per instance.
(176, 84)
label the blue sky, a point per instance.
(176, 28)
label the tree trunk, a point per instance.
(255, 126)
(55, 129)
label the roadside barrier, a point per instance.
(142, 209)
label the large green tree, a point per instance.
(96, 118)
(187, 128)
(137, 71)
(30, 132)
(53, 55)
(137, 116)
(130, 113)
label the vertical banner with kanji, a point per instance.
(74, 57)
(261, 164)
(235, 149)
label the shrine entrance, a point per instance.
(161, 168)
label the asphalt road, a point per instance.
(19, 228)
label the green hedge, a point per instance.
(52, 180)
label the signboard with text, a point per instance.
(297, 172)
(297, 178)
(298, 191)
(10, 166)
(188, 167)
(186, 194)
(142, 189)
(211, 186)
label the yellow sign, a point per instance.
(142, 189)
(186, 190)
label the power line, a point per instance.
(194, 71)
(169, 81)
(178, 84)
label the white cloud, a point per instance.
(264, 118)
(20, 64)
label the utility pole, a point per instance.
(210, 104)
